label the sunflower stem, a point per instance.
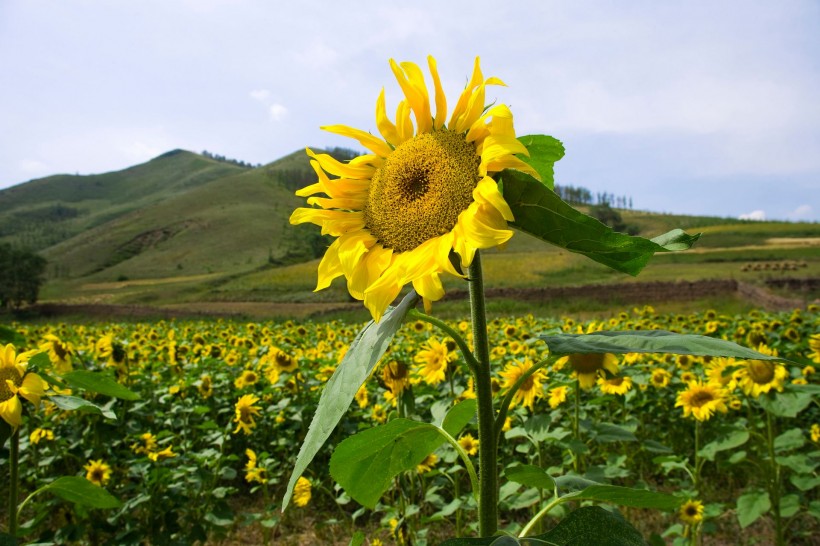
(487, 446)
(14, 478)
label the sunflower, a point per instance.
(254, 472)
(148, 444)
(660, 378)
(558, 396)
(59, 353)
(433, 361)
(423, 193)
(758, 377)
(246, 379)
(702, 400)
(588, 366)
(395, 376)
(246, 410)
(166, 453)
(691, 512)
(469, 444)
(15, 380)
(814, 432)
(530, 389)
(301, 491)
(427, 464)
(40, 434)
(97, 472)
(814, 345)
(619, 385)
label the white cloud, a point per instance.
(277, 112)
(260, 95)
(803, 212)
(32, 166)
(754, 215)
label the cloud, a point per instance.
(32, 166)
(754, 215)
(278, 112)
(803, 212)
(260, 95)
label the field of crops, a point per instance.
(207, 448)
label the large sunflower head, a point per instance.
(702, 400)
(424, 192)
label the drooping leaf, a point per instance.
(531, 476)
(366, 463)
(357, 539)
(81, 491)
(541, 213)
(544, 152)
(789, 505)
(361, 358)
(751, 506)
(625, 496)
(789, 440)
(458, 417)
(100, 383)
(610, 432)
(75, 403)
(731, 440)
(648, 341)
(788, 403)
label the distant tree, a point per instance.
(611, 217)
(21, 276)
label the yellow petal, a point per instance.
(344, 170)
(411, 81)
(486, 192)
(429, 287)
(380, 294)
(404, 125)
(441, 98)
(352, 247)
(375, 262)
(12, 411)
(333, 222)
(33, 388)
(330, 267)
(375, 145)
(475, 106)
(508, 162)
(346, 203)
(385, 126)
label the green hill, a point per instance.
(188, 228)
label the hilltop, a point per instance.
(185, 227)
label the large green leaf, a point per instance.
(583, 527)
(648, 341)
(99, 383)
(751, 506)
(365, 464)
(790, 402)
(359, 361)
(531, 476)
(75, 403)
(9, 335)
(458, 417)
(625, 496)
(81, 491)
(544, 152)
(733, 439)
(541, 213)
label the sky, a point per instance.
(697, 107)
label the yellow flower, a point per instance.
(427, 464)
(469, 444)
(530, 388)
(702, 400)
(660, 378)
(395, 376)
(149, 444)
(254, 472)
(301, 491)
(97, 472)
(40, 434)
(691, 512)
(423, 193)
(361, 396)
(757, 377)
(434, 361)
(13, 381)
(245, 412)
(615, 385)
(205, 386)
(379, 413)
(814, 345)
(58, 352)
(248, 378)
(166, 453)
(815, 433)
(558, 396)
(589, 366)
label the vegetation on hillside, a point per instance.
(21, 275)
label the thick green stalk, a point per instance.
(487, 446)
(774, 480)
(14, 478)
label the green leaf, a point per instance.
(625, 496)
(458, 417)
(7, 540)
(732, 440)
(74, 403)
(799, 462)
(531, 476)
(541, 213)
(81, 491)
(648, 341)
(751, 506)
(40, 361)
(9, 335)
(99, 383)
(804, 482)
(359, 361)
(789, 440)
(788, 403)
(544, 152)
(610, 432)
(366, 463)
(789, 505)
(357, 539)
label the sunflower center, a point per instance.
(587, 363)
(9, 374)
(701, 398)
(420, 189)
(760, 371)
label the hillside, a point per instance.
(187, 228)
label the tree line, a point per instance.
(223, 159)
(21, 276)
(582, 196)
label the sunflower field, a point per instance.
(199, 443)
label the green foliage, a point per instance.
(21, 275)
(81, 491)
